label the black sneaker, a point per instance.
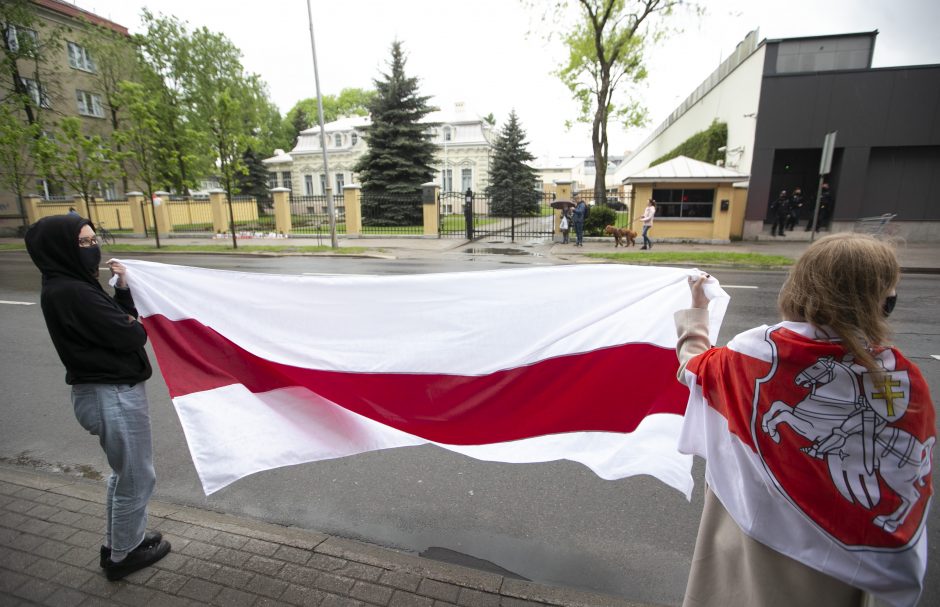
(151, 537)
(138, 558)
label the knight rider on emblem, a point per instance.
(848, 416)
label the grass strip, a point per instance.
(704, 258)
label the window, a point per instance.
(466, 179)
(19, 37)
(37, 92)
(80, 58)
(285, 179)
(337, 140)
(448, 185)
(679, 203)
(447, 133)
(308, 185)
(89, 104)
(272, 180)
(340, 182)
(322, 184)
(353, 139)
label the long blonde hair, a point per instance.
(841, 282)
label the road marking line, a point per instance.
(17, 303)
(738, 287)
(937, 356)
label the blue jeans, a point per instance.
(579, 231)
(646, 241)
(120, 417)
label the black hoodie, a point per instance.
(96, 336)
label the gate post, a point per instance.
(31, 204)
(352, 201)
(282, 220)
(220, 220)
(468, 213)
(431, 209)
(135, 202)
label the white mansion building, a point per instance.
(462, 160)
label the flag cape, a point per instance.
(816, 457)
(523, 365)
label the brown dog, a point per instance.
(620, 235)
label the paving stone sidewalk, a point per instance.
(51, 526)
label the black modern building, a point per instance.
(887, 152)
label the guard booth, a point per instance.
(695, 201)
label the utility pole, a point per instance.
(326, 166)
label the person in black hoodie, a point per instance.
(101, 343)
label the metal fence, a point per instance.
(392, 214)
(310, 215)
(496, 214)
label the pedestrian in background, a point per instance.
(578, 217)
(565, 225)
(779, 211)
(648, 214)
(796, 209)
(826, 201)
(101, 344)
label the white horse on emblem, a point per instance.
(833, 397)
(836, 416)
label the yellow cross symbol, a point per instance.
(887, 394)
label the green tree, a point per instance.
(304, 114)
(254, 181)
(512, 188)
(17, 154)
(400, 152)
(140, 136)
(81, 161)
(28, 76)
(605, 56)
(165, 54)
(115, 61)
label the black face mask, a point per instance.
(889, 304)
(90, 258)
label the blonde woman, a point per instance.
(817, 437)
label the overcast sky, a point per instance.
(481, 52)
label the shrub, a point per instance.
(600, 218)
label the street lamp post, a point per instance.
(326, 166)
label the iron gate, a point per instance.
(473, 215)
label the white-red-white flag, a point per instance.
(523, 365)
(817, 457)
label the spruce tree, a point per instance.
(512, 182)
(400, 148)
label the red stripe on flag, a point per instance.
(610, 390)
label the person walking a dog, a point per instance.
(648, 213)
(101, 344)
(790, 511)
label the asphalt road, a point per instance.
(555, 522)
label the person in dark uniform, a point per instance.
(779, 211)
(796, 208)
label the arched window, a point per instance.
(353, 139)
(338, 140)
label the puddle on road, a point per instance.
(446, 555)
(499, 251)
